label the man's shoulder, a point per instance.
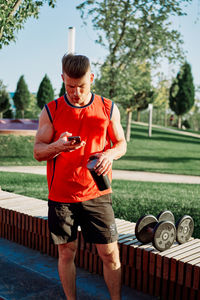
(107, 104)
(55, 101)
(102, 98)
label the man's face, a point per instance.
(78, 89)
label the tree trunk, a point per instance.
(157, 116)
(165, 118)
(138, 115)
(179, 122)
(22, 111)
(1, 115)
(128, 126)
(112, 77)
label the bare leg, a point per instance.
(109, 254)
(66, 268)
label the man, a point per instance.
(74, 198)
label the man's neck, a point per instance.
(84, 103)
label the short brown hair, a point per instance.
(75, 66)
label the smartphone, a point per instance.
(77, 139)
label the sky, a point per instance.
(41, 44)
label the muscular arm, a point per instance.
(117, 137)
(118, 149)
(44, 148)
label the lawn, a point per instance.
(130, 199)
(165, 152)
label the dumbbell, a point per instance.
(166, 215)
(184, 226)
(161, 233)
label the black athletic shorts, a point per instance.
(95, 217)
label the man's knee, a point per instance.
(109, 254)
(67, 251)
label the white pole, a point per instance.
(71, 40)
(150, 118)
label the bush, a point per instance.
(186, 124)
(17, 151)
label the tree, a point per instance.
(62, 90)
(8, 114)
(133, 32)
(14, 14)
(4, 99)
(182, 92)
(32, 111)
(45, 92)
(21, 97)
(194, 116)
(161, 100)
(133, 89)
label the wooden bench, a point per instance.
(171, 274)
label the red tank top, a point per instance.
(68, 178)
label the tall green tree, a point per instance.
(182, 92)
(32, 111)
(8, 114)
(4, 99)
(14, 14)
(21, 97)
(62, 90)
(45, 92)
(133, 32)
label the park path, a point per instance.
(117, 174)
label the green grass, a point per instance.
(165, 152)
(130, 199)
(25, 184)
(17, 151)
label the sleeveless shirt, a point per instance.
(68, 178)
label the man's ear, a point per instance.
(91, 77)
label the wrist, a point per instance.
(109, 154)
(54, 149)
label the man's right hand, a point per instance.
(44, 148)
(68, 146)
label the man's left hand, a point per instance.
(104, 164)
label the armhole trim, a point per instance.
(56, 103)
(111, 109)
(54, 166)
(103, 100)
(48, 112)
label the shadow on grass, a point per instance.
(161, 135)
(16, 156)
(166, 139)
(160, 159)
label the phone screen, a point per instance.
(74, 138)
